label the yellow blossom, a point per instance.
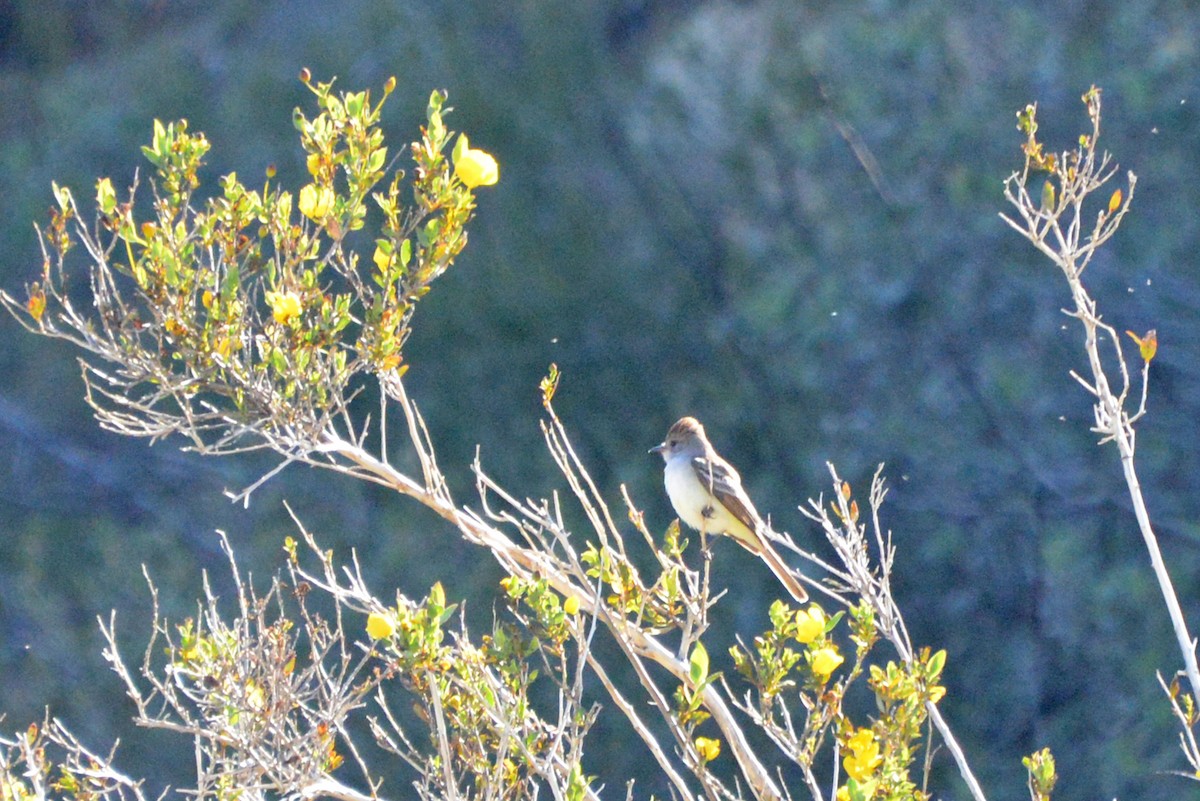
(223, 347)
(862, 757)
(285, 306)
(380, 626)
(708, 748)
(174, 327)
(825, 661)
(862, 741)
(383, 255)
(36, 304)
(474, 167)
(809, 624)
(571, 605)
(316, 201)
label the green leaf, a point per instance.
(62, 194)
(698, 664)
(855, 790)
(436, 99)
(436, 130)
(106, 197)
(405, 252)
(429, 233)
(778, 613)
(1048, 196)
(156, 153)
(446, 614)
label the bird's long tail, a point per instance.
(762, 548)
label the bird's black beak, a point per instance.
(659, 448)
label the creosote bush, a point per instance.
(245, 321)
(239, 322)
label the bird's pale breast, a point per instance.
(691, 498)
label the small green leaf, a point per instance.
(436, 130)
(436, 99)
(698, 664)
(62, 194)
(429, 234)
(936, 663)
(106, 197)
(1048, 196)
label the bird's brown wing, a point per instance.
(726, 486)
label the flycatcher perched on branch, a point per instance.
(707, 495)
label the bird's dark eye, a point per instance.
(672, 443)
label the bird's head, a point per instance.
(686, 436)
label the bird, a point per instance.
(707, 494)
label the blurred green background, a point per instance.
(683, 226)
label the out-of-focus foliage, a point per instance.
(779, 216)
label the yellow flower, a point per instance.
(285, 306)
(825, 661)
(571, 606)
(223, 347)
(809, 624)
(315, 202)
(474, 167)
(380, 626)
(708, 748)
(383, 255)
(37, 303)
(863, 740)
(862, 757)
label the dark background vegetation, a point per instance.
(682, 226)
